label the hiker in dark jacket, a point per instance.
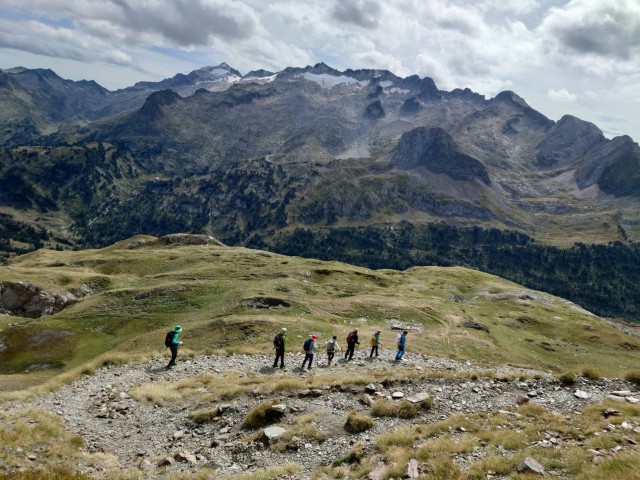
(173, 346)
(352, 341)
(278, 344)
(309, 346)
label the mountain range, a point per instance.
(248, 158)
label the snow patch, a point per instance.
(398, 90)
(329, 81)
(386, 84)
(268, 79)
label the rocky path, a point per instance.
(141, 434)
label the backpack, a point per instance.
(398, 339)
(307, 344)
(350, 337)
(331, 345)
(277, 341)
(168, 340)
(374, 342)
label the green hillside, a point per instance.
(231, 300)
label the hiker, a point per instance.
(172, 343)
(332, 345)
(352, 341)
(375, 343)
(401, 341)
(309, 346)
(278, 344)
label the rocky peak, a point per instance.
(568, 140)
(152, 108)
(428, 89)
(509, 97)
(434, 149)
(259, 74)
(214, 72)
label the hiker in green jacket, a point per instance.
(172, 342)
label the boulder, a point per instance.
(366, 399)
(378, 473)
(278, 409)
(419, 397)
(24, 299)
(581, 394)
(270, 434)
(411, 469)
(166, 462)
(530, 464)
(185, 457)
(397, 395)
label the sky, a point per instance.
(577, 57)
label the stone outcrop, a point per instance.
(24, 299)
(435, 150)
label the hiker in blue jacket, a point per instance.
(402, 341)
(173, 344)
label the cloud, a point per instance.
(518, 7)
(594, 34)
(562, 95)
(42, 39)
(180, 23)
(363, 13)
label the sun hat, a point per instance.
(284, 329)
(177, 329)
(313, 337)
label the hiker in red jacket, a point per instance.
(352, 341)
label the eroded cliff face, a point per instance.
(24, 299)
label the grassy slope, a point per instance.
(144, 291)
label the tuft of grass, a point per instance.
(567, 378)
(51, 473)
(399, 437)
(633, 376)
(159, 393)
(270, 473)
(261, 415)
(402, 409)
(355, 455)
(357, 423)
(200, 417)
(592, 373)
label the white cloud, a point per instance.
(518, 7)
(39, 38)
(562, 95)
(601, 37)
